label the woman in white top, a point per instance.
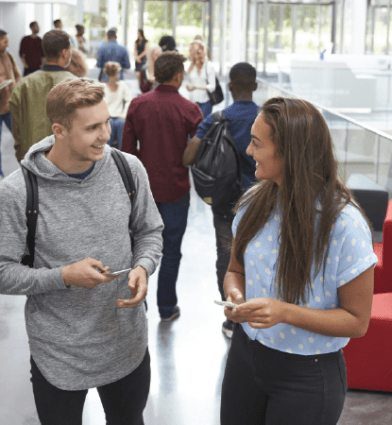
(118, 99)
(201, 76)
(302, 273)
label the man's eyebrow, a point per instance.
(254, 137)
(96, 123)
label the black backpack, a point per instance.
(32, 200)
(217, 171)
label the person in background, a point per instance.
(118, 98)
(80, 39)
(241, 114)
(112, 52)
(301, 273)
(167, 43)
(201, 38)
(78, 65)
(30, 123)
(148, 81)
(162, 120)
(201, 77)
(140, 53)
(30, 50)
(9, 76)
(58, 25)
(106, 39)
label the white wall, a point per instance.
(13, 20)
(44, 16)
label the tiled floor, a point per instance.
(187, 356)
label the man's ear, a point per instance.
(255, 86)
(59, 130)
(231, 86)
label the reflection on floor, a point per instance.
(187, 356)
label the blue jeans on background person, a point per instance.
(224, 237)
(175, 217)
(117, 125)
(206, 108)
(7, 120)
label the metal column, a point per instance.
(204, 13)
(80, 10)
(140, 14)
(210, 27)
(174, 17)
(388, 27)
(294, 14)
(223, 37)
(266, 21)
(124, 21)
(342, 8)
(333, 30)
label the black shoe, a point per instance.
(227, 328)
(174, 315)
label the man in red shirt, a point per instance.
(30, 50)
(162, 120)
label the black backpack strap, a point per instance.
(31, 214)
(125, 171)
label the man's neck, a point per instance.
(171, 83)
(242, 97)
(54, 63)
(63, 161)
(33, 35)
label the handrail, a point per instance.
(331, 111)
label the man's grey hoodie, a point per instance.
(78, 337)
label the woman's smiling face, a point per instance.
(269, 165)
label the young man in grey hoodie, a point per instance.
(85, 329)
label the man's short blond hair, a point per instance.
(69, 95)
(111, 68)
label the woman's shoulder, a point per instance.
(350, 220)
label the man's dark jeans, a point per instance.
(175, 217)
(224, 237)
(123, 401)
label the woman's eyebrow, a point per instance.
(254, 137)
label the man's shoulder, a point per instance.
(187, 103)
(39, 80)
(239, 106)
(13, 188)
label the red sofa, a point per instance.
(369, 358)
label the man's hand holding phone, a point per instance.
(137, 283)
(87, 273)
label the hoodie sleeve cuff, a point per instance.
(147, 265)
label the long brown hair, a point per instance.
(303, 140)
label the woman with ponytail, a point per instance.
(301, 272)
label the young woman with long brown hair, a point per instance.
(301, 271)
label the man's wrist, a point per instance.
(142, 269)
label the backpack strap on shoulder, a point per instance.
(31, 214)
(125, 171)
(218, 117)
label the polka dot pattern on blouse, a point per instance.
(351, 253)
